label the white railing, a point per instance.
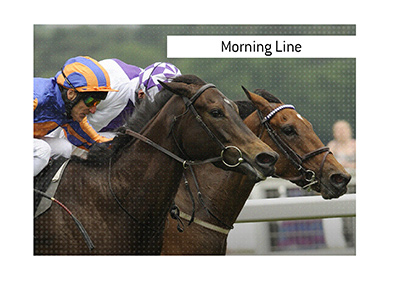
(255, 238)
(258, 208)
(315, 207)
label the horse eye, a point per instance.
(289, 130)
(217, 113)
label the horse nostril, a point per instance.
(266, 159)
(340, 180)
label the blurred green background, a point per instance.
(322, 90)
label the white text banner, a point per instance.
(261, 47)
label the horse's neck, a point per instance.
(144, 174)
(224, 194)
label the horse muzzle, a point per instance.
(335, 186)
(266, 163)
(261, 167)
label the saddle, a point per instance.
(47, 182)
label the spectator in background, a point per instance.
(343, 146)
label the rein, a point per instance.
(185, 162)
(83, 231)
(176, 214)
(189, 106)
(298, 161)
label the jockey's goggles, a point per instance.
(90, 101)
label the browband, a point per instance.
(200, 91)
(276, 110)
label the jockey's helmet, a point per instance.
(84, 74)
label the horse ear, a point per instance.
(260, 102)
(178, 88)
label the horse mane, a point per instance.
(148, 109)
(100, 153)
(247, 107)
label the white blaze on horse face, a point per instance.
(299, 116)
(227, 101)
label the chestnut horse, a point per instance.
(122, 197)
(303, 159)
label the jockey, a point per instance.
(65, 100)
(112, 111)
(133, 84)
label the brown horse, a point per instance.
(223, 194)
(123, 196)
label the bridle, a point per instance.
(185, 162)
(298, 161)
(189, 106)
(175, 212)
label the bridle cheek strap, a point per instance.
(189, 105)
(187, 162)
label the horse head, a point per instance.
(209, 116)
(303, 158)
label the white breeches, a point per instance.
(54, 145)
(47, 147)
